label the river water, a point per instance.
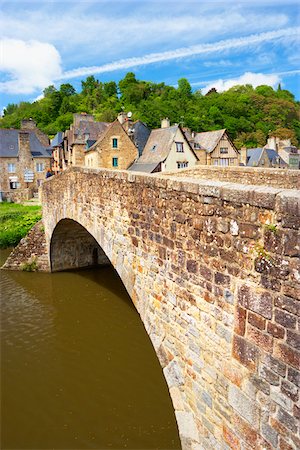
(78, 369)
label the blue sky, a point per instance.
(211, 43)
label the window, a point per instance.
(197, 145)
(182, 164)
(40, 167)
(224, 162)
(153, 148)
(223, 150)
(115, 143)
(115, 162)
(11, 167)
(179, 147)
(231, 160)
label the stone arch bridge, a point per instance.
(212, 267)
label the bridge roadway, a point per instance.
(212, 268)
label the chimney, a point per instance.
(243, 156)
(271, 143)
(122, 116)
(25, 156)
(165, 123)
(28, 124)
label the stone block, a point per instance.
(269, 434)
(275, 330)
(287, 420)
(287, 355)
(231, 439)
(288, 304)
(173, 374)
(285, 319)
(291, 243)
(245, 352)
(187, 425)
(270, 376)
(240, 320)
(256, 321)
(243, 405)
(294, 376)
(259, 302)
(260, 339)
(293, 339)
(290, 390)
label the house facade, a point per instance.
(23, 163)
(261, 157)
(113, 149)
(167, 149)
(213, 148)
(83, 129)
(288, 152)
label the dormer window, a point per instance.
(179, 147)
(196, 145)
(115, 143)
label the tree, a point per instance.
(66, 90)
(184, 88)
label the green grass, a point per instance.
(15, 222)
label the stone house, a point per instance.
(113, 149)
(261, 157)
(24, 161)
(138, 131)
(83, 129)
(213, 148)
(288, 152)
(167, 149)
(58, 162)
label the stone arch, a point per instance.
(72, 246)
(67, 252)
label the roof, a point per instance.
(207, 140)
(253, 156)
(93, 129)
(274, 157)
(9, 144)
(57, 140)
(158, 145)
(148, 168)
(141, 134)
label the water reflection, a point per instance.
(78, 369)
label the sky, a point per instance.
(213, 44)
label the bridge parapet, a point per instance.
(213, 270)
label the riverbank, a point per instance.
(15, 222)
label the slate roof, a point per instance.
(207, 140)
(57, 140)
(274, 157)
(94, 129)
(253, 156)
(158, 145)
(9, 145)
(141, 134)
(148, 168)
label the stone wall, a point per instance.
(31, 253)
(278, 178)
(213, 270)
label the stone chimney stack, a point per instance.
(30, 125)
(165, 123)
(25, 156)
(122, 116)
(271, 143)
(243, 156)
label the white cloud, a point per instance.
(221, 46)
(255, 79)
(30, 65)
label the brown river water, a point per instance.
(78, 369)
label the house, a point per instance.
(288, 152)
(213, 148)
(24, 161)
(58, 162)
(167, 149)
(113, 149)
(261, 157)
(83, 129)
(137, 131)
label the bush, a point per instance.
(15, 222)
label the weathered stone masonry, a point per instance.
(213, 270)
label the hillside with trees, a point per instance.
(249, 114)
